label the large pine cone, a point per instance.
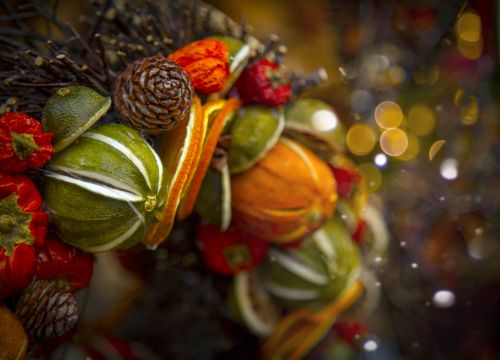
(153, 94)
(47, 309)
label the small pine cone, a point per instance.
(47, 309)
(153, 94)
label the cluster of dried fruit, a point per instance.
(215, 128)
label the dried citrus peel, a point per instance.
(301, 330)
(187, 204)
(178, 165)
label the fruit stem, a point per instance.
(23, 144)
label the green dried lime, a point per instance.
(255, 130)
(315, 124)
(103, 191)
(314, 274)
(214, 200)
(252, 305)
(71, 111)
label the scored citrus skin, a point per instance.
(318, 117)
(285, 196)
(315, 273)
(252, 305)
(103, 191)
(71, 111)
(254, 131)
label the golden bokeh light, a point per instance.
(468, 27)
(426, 75)
(361, 139)
(421, 120)
(412, 150)
(435, 148)
(388, 114)
(470, 50)
(394, 142)
(372, 176)
(469, 110)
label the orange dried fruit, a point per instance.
(285, 196)
(179, 150)
(215, 129)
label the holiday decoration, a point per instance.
(153, 95)
(253, 133)
(104, 190)
(264, 83)
(23, 144)
(230, 252)
(46, 309)
(57, 260)
(13, 339)
(315, 273)
(23, 225)
(71, 111)
(206, 64)
(187, 158)
(289, 205)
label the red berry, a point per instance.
(264, 83)
(348, 331)
(229, 252)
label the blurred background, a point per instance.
(416, 85)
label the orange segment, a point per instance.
(179, 149)
(298, 332)
(187, 204)
(208, 110)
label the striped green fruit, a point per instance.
(314, 274)
(103, 191)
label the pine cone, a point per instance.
(153, 94)
(47, 309)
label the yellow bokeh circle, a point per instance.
(361, 139)
(388, 114)
(412, 150)
(394, 142)
(468, 27)
(421, 120)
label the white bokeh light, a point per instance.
(380, 160)
(443, 299)
(370, 345)
(324, 120)
(449, 169)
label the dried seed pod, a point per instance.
(153, 94)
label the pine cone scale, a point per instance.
(153, 94)
(46, 309)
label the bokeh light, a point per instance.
(361, 139)
(468, 27)
(470, 50)
(388, 114)
(469, 110)
(324, 120)
(372, 176)
(469, 39)
(412, 150)
(426, 75)
(435, 148)
(380, 160)
(449, 169)
(394, 142)
(421, 120)
(370, 345)
(443, 299)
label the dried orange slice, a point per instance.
(300, 331)
(215, 129)
(179, 150)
